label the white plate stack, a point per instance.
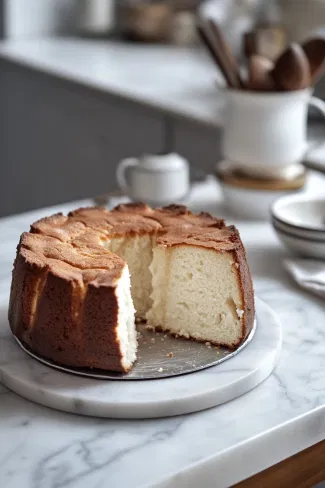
(299, 221)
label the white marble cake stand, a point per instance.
(148, 398)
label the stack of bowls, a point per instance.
(250, 196)
(299, 221)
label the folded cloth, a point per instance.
(308, 273)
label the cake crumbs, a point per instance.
(160, 370)
(170, 355)
(162, 339)
(150, 328)
(185, 334)
(208, 344)
(153, 340)
(240, 312)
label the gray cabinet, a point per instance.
(60, 141)
(200, 144)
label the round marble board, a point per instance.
(145, 398)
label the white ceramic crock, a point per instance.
(267, 131)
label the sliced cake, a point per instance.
(71, 290)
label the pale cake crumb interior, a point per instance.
(186, 290)
(196, 294)
(137, 252)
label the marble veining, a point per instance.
(41, 447)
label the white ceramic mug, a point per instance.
(155, 179)
(267, 132)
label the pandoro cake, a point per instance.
(80, 281)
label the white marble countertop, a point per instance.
(43, 448)
(176, 80)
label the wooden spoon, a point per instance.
(315, 52)
(210, 47)
(207, 37)
(224, 48)
(259, 73)
(291, 70)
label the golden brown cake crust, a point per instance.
(172, 216)
(245, 284)
(116, 223)
(63, 303)
(225, 239)
(54, 284)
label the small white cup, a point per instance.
(266, 132)
(155, 179)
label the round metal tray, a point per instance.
(159, 356)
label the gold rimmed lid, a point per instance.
(231, 174)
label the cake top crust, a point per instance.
(172, 215)
(74, 247)
(58, 226)
(224, 239)
(138, 208)
(114, 224)
(84, 264)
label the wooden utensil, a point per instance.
(224, 48)
(207, 43)
(207, 37)
(291, 70)
(250, 44)
(315, 51)
(259, 73)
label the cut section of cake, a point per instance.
(202, 287)
(131, 237)
(137, 252)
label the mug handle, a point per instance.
(121, 169)
(319, 105)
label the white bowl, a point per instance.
(298, 232)
(299, 222)
(248, 196)
(302, 212)
(301, 245)
(250, 203)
